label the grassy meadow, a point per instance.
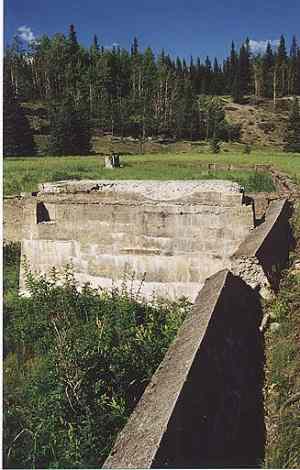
(24, 174)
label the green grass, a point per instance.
(24, 174)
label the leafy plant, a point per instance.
(76, 366)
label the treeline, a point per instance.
(139, 94)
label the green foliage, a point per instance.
(259, 182)
(237, 95)
(69, 130)
(76, 366)
(17, 134)
(139, 94)
(213, 122)
(247, 149)
(214, 145)
(11, 262)
(282, 395)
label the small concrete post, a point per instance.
(112, 161)
(211, 167)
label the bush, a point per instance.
(84, 359)
(214, 145)
(228, 132)
(247, 149)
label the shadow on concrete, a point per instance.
(218, 420)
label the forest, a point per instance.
(135, 93)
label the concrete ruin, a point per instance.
(205, 240)
(163, 238)
(204, 406)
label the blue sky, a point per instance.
(181, 27)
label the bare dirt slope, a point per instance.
(261, 124)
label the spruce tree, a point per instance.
(280, 80)
(267, 65)
(293, 128)
(244, 69)
(17, 134)
(236, 89)
(69, 130)
(135, 47)
(292, 67)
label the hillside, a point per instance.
(261, 127)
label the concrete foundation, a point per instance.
(162, 237)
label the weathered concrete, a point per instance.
(203, 406)
(12, 219)
(168, 236)
(263, 254)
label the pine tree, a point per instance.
(72, 41)
(17, 134)
(69, 129)
(280, 77)
(267, 65)
(244, 70)
(135, 47)
(233, 66)
(236, 89)
(292, 67)
(293, 128)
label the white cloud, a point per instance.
(114, 44)
(258, 47)
(25, 33)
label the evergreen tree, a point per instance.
(244, 70)
(280, 71)
(135, 47)
(233, 67)
(293, 128)
(69, 129)
(236, 89)
(178, 66)
(73, 45)
(268, 62)
(292, 67)
(95, 43)
(17, 134)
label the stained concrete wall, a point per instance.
(203, 406)
(263, 254)
(168, 236)
(12, 219)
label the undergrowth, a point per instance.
(76, 363)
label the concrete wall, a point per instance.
(168, 236)
(203, 406)
(12, 219)
(263, 254)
